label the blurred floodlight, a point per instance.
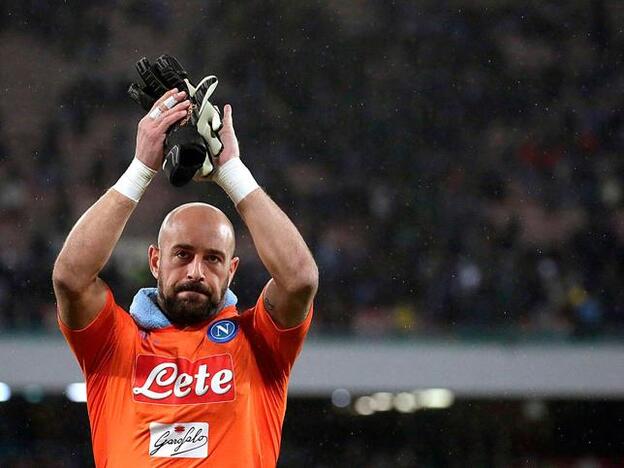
(5, 392)
(383, 401)
(405, 402)
(341, 397)
(365, 406)
(77, 392)
(435, 398)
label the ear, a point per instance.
(233, 267)
(154, 260)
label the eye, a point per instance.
(213, 259)
(182, 254)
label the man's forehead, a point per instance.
(198, 225)
(187, 234)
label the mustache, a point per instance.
(193, 287)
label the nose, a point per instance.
(195, 271)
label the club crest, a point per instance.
(222, 331)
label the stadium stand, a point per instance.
(451, 168)
(455, 166)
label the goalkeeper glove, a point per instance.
(186, 149)
(208, 121)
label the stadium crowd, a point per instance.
(453, 168)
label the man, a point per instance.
(183, 379)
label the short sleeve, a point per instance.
(282, 344)
(94, 344)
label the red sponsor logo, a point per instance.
(179, 381)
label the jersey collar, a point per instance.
(146, 313)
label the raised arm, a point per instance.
(80, 293)
(283, 251)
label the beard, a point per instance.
(183, 311)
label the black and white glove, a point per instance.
(208, 121)
(187, 151)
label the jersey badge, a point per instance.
(222, 331)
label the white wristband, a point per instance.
(135, 180)
(235, 179)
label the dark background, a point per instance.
(455, 166)
(503, 433)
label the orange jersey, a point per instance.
(209, 395)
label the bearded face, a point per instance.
(189, 302)
(193, 263)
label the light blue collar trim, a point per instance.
(147, 314)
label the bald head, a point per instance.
(197, 224)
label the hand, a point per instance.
(228, 138)
(152, 128)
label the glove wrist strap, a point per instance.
(135, 180)
(236, 180)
